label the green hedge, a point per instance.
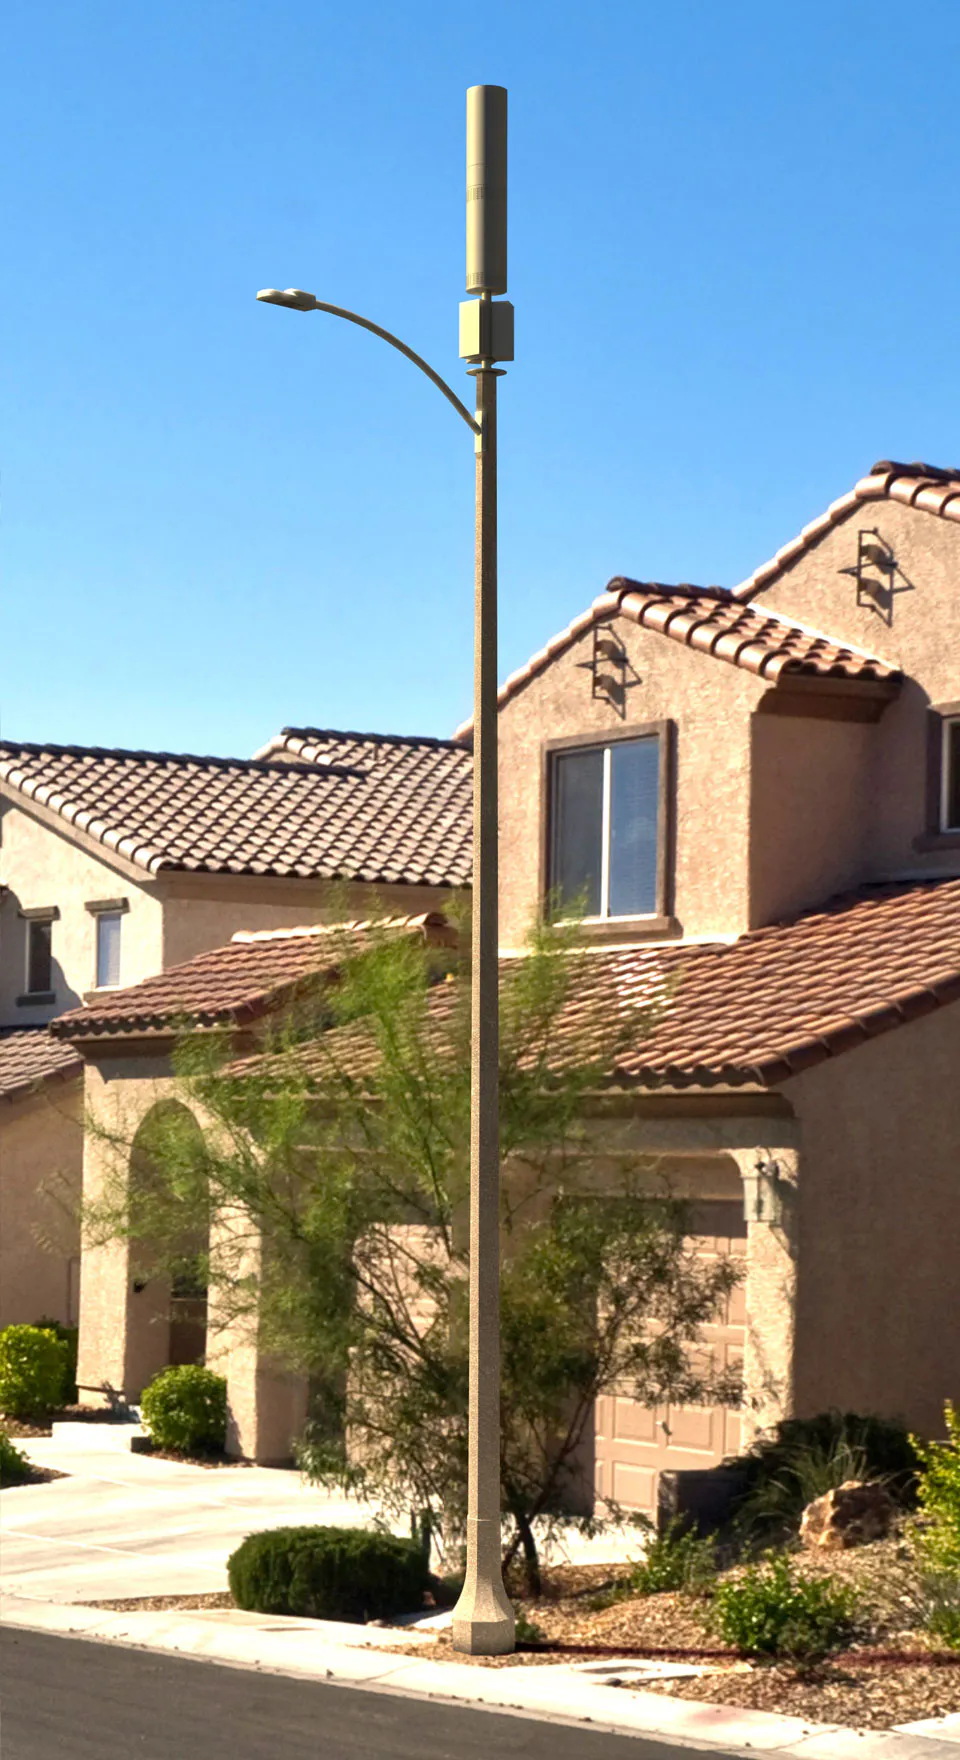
(34, 1364)
(185, 1409)
(14, 1466)
(328, 1573)
(71, 1338)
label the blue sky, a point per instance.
(734, 259)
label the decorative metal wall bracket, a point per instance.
(609, 666)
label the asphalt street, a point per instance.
(64, 1699)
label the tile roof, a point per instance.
(713, 620)
(930, 487)
(757, 1010)
(29, 1057)
(384, 811)
(236, 984)
(760, 1009)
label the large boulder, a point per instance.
(851, 1515)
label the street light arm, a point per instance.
(306, 302)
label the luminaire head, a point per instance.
(294, 297)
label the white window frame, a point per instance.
(948, 722)
(100, 918)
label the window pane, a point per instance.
(39, 937)
(951, 758)
(634, 792)
(578, 828)
(108, 949)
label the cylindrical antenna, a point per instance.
(487, 189)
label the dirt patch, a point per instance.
(189, 1460)
(166, 1603)
(865, 1697)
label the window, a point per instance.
(950, 774)
(39, 956)
(605, 853)
(108, 949)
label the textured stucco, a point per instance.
(202, 913)
(710, 703)
(878, 1292)
(41, 1141)
(43, 868)
(918, 632)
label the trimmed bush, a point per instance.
(71, 1338)
(14, 1466)
(328, 1573)
(33, 1368)
(806, 1457)
(771, 1612)
(185, 1409)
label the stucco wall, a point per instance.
(878, 1297)
(809, 811)
(710, 703)
(41, 1153)
(203, 913)
(43, 868)
(919, 631)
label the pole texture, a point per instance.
(483, 1623)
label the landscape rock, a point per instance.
(851, 1515)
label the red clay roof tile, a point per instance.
(362, 808)
(29, 1057)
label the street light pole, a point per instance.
(483, 1622)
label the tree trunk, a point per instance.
(531, 1558)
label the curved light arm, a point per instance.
(305, 302)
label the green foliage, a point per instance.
(526, 1631)
(33, 1369)
(345, 1150)
(769, 1611)
(806, 1457)
(71, 1338)
(675, 1559)
(14, 1465)
(185, 1408)
(328, 1573)
(937, 1534)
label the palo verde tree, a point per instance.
(342, 1151)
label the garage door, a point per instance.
(634, 1444)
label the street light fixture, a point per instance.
(483, 1622)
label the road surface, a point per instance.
(67, 1699)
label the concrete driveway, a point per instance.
(123, 1524)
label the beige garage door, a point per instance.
(633, 1444)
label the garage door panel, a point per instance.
(632, 1444)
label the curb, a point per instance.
(557, 1693)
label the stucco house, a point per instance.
(117, 865)
(757, 793)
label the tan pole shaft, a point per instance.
(483, 1619)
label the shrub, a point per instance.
(675, 1559)
(806, 1457)
(526, 1631)
(937, 1536)
(185, 1408)
(328, 1573)
(14, 1466)
(33, 1365)
(771, 1612)
(71, 1337)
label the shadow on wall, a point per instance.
(18, 1007)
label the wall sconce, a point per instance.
(763, 1192)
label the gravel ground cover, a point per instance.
(862, 1688)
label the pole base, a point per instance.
(483, 1622)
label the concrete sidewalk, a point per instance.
(123, 1525)
(359, 1656)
